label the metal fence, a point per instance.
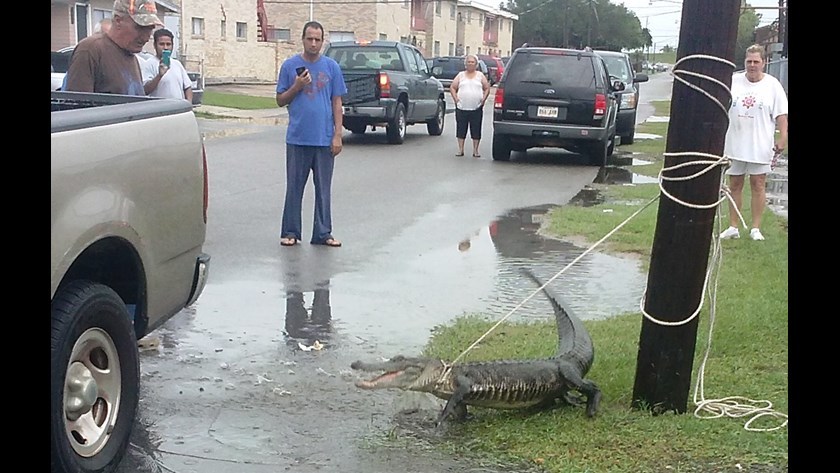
(778, 68)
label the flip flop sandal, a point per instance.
(330, 242)
(288, 241)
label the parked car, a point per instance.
(445, 68)
(559, 98)
(618, 64)
(60, 62)
(495, 67)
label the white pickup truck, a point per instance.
(128, 216)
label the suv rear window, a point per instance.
(570, 70)
(366, 57)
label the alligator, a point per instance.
(500, 384)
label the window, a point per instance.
(510, 25)
(481, 19)
(452, 12)
(437, 48)
(451, 49)
(469, 17)
(437, 8)
(403, 39)
(406, 3)
(223, 30)
(99, 15)
(279, 34)
(468, 50)
(198, 26)
(342, 36)
(383, 36)
(479, 50)
(241, 30)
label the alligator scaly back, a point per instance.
(499, 384)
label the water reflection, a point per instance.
(308, 326)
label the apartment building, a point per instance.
(248, 40)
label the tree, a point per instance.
(576, 23)
(747, 23)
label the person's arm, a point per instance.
(188, 93)
(485, 85)
(80, 73)
(453, 88)
(152, 75)
(338, 123)
(285, 98)
(782, 126)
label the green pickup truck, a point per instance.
(388, 85)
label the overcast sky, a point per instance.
(662, 17)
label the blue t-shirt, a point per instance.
(310, 112)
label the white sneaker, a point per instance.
(729, 233)
(755, 234)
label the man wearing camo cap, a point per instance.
(106, 62)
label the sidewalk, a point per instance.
(225, 112)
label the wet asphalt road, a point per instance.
(232, 384)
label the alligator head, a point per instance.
(410, 374)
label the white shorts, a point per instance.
(739, 168)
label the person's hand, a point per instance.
(336, 146)
(778, 147)
(162, 68)
(303, 80)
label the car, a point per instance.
(618, 64)
(557, 98)
(495, 66)
(60, 62)
(445, 68)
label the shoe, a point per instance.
(288, 241)
(329, 242)
(730, 233)
(755, 234)
(476, 155)
(459, 154)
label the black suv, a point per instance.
(445, 68)
(559, 98)
(618, 64)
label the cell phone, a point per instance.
(167, 54)
(300, 70)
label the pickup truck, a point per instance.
(128, 216)
(390, 85)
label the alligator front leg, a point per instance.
(455, 406)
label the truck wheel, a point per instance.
(435, 125)
(501, 148)
(356, 128)
(95, 378)
(628, 139)
(598, 153)
(396, 127)
(611, 147)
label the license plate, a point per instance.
(546, 112)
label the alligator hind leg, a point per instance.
(586, 387)
(455, 406)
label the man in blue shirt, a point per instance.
(312, 86)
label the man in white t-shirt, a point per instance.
(759, 107)
(160, 80)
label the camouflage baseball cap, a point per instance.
(143, 12)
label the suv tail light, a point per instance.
(600, 106)
(499, 99)
(384, 85)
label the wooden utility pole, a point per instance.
(682, 238)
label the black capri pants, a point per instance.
(468, 119)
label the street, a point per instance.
(237, 383)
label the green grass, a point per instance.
(748, 358)
(244, 102)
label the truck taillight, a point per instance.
(384, 85)
(600, 106)
(206, 187)
(499, 100)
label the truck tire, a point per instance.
(95, 378)
(435, 125)
(501, 148)
(355, 127)
(598, 152)
(395, 130)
